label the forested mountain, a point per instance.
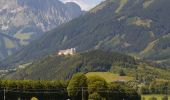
(136, 27)
(63, 67)
(25, 20)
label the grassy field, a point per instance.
(109, 77)
(159, 97)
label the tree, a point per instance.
(34, 98)
(97, 86)
(114, 92)
(77, 83)
(94, 96)
(119, 91)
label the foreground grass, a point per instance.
(159, 97)
(109, 77)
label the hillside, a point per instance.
(136, 27)
(7, 45)
(63, 67)
(25, 20)
(110, 77)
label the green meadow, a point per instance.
(153, 96)
(109, 77)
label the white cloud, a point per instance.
(85, 4)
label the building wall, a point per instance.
(71, 51)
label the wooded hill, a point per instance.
(63, 67)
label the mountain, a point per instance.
(25, 20)
(7, 45)
(136, 27)
(63, 67)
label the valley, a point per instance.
(119, 50)
(133, 30)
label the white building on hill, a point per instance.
(71, 51)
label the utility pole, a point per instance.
(4, 94)
(82, 94)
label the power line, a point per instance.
(56, 91)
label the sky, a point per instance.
(85, 4)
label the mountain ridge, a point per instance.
(26, 20)
(127, 26)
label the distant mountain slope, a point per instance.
(136, 27)
(7, 45)
(27, 19)
(63, 67)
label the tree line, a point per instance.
(79, 87)
(156, 87)
(26, 89)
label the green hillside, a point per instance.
(110, 77)
(63, 67)
(136, 27)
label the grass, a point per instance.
(109, 77)
(159, 97)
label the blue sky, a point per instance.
(85, 4)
